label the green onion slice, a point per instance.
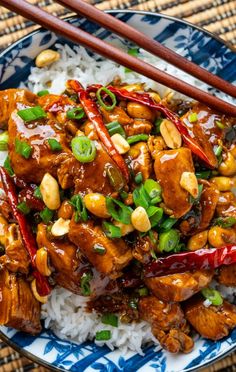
(32, 113)
(169, 240)
(78, 204)
(137, 138)
(115, 127)
(98, 248)
(115, 177)
(153, 188)
(225, 222)
(46, 214)
(7, 166)
(218, 151)
(4, 141)
(203, 174)
(103, 335)
(138, 178)
(110, 94)
(37, 193)
(157, 125)
(168, 223)
(111, 230)
(83, 149)
(75, 113)
(118, 210)
(141, 197)
(143, 291)
(23, 207)
(42, 93)
(85, 283)
(23, 148)
(192, 118)
(220, 125)
(212, 295)
(54, 144)
(155, 215)
(110, 319)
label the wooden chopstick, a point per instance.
(123, 29)
(81, 37)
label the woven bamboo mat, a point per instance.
(218, 16)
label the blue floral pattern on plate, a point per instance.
(47, 348)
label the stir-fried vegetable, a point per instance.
(32, 113)
(83, 149)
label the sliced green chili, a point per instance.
(83, 149)
(110, 94)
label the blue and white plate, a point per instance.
(47, 349)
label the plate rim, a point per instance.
(3, 337)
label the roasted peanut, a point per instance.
(50, 191)
(188, 181)
(228, 166)
(197, 241)
(134, 88)
(155, 144)
(41, 262)
(46, 58)
(139, 111)
(170, 134)
(218, 236)
(120, 143)
(3, 230)
(96, 204)
(125, 229)
(42, 299)
(224, 183)
(140, 220)
(66, 210)
(60, 227)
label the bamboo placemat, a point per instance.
(218, 16)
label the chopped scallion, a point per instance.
(79, 206)
(23, 148)
(141, 197)
(32, 113)
(103, 335)
(220, 125)
(99, 248)
(115, 127)
(110, 319)
(4, 141)
(46, 214)
(218, 151)
(212, 295)
(110, 94)
(111, 230)
(23, 207)
(54, 144)
(85, 283)
(42, 93)
(225, 222)
(153, 188)
(75, 113)
(155, 215)
(37, 193)
(169, 240)
(136, 138)
(157, 125)
(83, 149)
(203, 174)
(138, 178)
(7, 166)
(118, 210)
(192, 118)
(143, 291)
(168, 223)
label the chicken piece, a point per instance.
(90, 177)
(169, 166)
(11, 99)
(168, 324)
(140, 159)
(226, 206)
(227, 275)
(16, 258)
(117, 114)
(63, 258)
(139, 126)
(179, 287)
(205, 129)
(18, 307)
(87, 236)
(213, 322)
(208, 203)
(155, 145)
(42, 158)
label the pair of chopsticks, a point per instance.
(104, 49)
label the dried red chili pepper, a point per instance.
(186, 261)
(27, 195)
(43, 286)
(146, 100)
(95, 117)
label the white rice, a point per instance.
(65, 312)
